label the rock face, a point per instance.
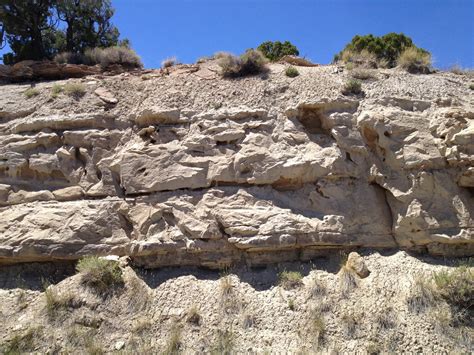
(181, 170)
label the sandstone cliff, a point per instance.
(185, 168)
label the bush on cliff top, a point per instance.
(385, 50)
(276, 50)
(252, 62)
(105, 57)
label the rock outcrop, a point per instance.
(181, 170)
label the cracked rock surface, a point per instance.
(182, 168)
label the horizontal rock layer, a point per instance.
(186, 185)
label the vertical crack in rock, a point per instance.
(384, 196)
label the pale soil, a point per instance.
(256, 311)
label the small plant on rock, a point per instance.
(363, 74)
(292, 72)
(471, 86)
(75, 90)
(290, 279)
(31, 92)
(352, 87)
(349, 323)
(100, 274)
(56, 302)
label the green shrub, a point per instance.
(290, 279)
(291, 72)
(252, 62)
(31, 92)
(56, 90)
(76, 90)
(456, 286)
(276, 50)
(414, 60)
(385, 49)
(471, 86)
(100, 274)
(352, 87)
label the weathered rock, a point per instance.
(274, 172)
(105, 96)
(356, 263)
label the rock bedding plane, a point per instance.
(181, 167)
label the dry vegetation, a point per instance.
(252, 62)
(415, 61)
(104, 57)
(100, 274)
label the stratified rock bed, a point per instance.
(185, 168)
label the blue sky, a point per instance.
(189, 29)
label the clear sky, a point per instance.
(189, 29)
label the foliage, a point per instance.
(290, 279)
(38, 30)
(415, 60)
(31, 92)
(100, 274)
(56, 90)
(76, 90)
(173, 343)
(363, 74)
(352, 87)
(291, 72)
(276, 50)
(56, 302)
(102, 56)
(385, 48)
(21, 343)
(423, 295)
(224, 343)
(168, 62)
(471, 86)
(456, 286)
(252, 62)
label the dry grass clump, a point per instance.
(292, 72)
(56, 302)
(363, 74)
(252, 62)
(21, 343)
(290, 279)
(75, 90)
(456, 286)
(105, 57)
(317, 288)
(56, 90)
(350, 322)
(100, 274)
(352, 87)
(194, 316)
(423, 295)
(168, 62)
(317, 324)
(386, 319)
(224, 342)
(31, 92)
(414, 61)
(174, 342)
(458, 70)
(363, 59)
(347, 280)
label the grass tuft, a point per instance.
(224, 343)
(352, 87)
(290, 279)
(75, 90)
(100, 274)
(168, 62)
(414, 61)
(31, 92)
